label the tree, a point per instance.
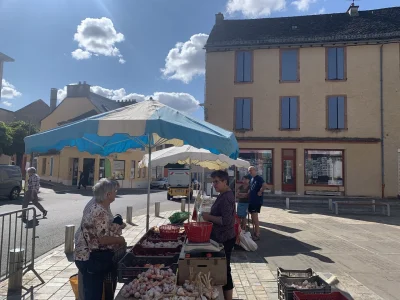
(19, 130)
(5, 137)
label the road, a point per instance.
(66, 209)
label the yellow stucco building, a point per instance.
(314, 100)
(64, 166)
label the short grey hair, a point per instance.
(102, 187)
(31, 170)
(251, 168)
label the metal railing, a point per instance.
(17, 246)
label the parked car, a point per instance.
(10, 181)
(161, 183)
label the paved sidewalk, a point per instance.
(361, 250)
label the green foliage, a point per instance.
(5, 137)
(19, 130)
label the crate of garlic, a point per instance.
(158, 284)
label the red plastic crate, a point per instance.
(331, 296)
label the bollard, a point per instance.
(157, 209)
(16, 263)
(373, 206)
(183, 204)
(287, 203)
(69, 239)
(129, 214)
(330, 204)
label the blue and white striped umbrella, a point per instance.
(136, 126)
(145, 124)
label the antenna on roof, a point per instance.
(352, 2)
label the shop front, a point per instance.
(347, 169)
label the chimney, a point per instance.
(53, 99)
(80, 90)
(219, 17)
(353, 10)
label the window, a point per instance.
(335, 63)
(289, 113)
(133, 167)
(51, 165)
(289, 65)
(243, 114)
(336, 112)
(244, 66)
(119, 169)
(261, 159)
(102, 169)
(323, 167)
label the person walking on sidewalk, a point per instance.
(222, 215)
(82, 180)
(94, 243)
(32, 193)
(257, 187)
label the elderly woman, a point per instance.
(32, 193)
(96, 240)
(222, 216)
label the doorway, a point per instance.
(75, 175)
(289, 170)
(88, 170)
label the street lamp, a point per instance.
(3, 58)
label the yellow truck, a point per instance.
(179, 184)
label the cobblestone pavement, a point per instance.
(361, 250)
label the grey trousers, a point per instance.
(31, 196)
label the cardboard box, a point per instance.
(215, 265)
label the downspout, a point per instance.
(382, 125)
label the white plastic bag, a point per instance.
(247, 242)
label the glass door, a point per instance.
(289, 170)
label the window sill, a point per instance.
(336, 130)
(289, 81)
(289, 129)
(242, 130)
(336, 80)
(323, 185)
(243, 82)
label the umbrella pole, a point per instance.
(190, 185)
(148, 188)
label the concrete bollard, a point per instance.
(183, 204)
(330, 204)
(287, 203)
(157, 209)
(16, 263)
(373, 206)
(69, 239)
(129, 214)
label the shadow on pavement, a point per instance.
(348, 212)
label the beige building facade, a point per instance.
(64, 166)
(315, 108)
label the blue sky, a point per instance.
(125, 48)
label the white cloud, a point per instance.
(97, 37)
(181, 101)
(321, 11)
(255, 8)
(6, 103)
(187, 59)
(81, 54)
(9, 91)
(303, 5)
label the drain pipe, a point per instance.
(382, 124)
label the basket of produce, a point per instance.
(295, 273)
(313, 285)
(331, 296)
(198, 232)
(178, 217)
(169, 232)
(131, 266)
(163, 248)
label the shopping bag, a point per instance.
(247, 242)
(73, 280)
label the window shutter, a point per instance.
(239, 114)
(293, 113)
(246, 114)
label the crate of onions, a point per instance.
(161, 248)
(313, 285)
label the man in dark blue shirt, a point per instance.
(257, 187)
